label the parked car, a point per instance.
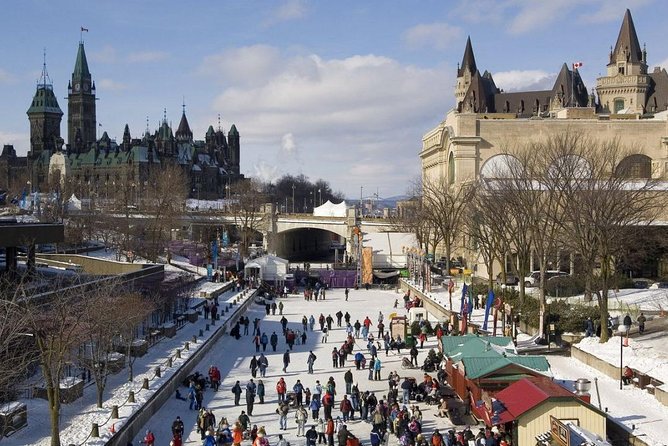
(534, 278)
(657, 285)
(511, 279)
(642, 284)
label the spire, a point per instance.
(468, 61)
(627, 41)
(81, 65)
(183, 133)
(44, 79)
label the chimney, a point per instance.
(582, 386)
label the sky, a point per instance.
(336, 90)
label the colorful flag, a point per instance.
(577, 65)
(488, 307)
(463, 305)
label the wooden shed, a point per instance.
(525, 409)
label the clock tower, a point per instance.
(81, 106)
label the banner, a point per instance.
(463, 308)
(214, 253)
(367, 265)
(488, 307)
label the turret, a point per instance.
(81, 102)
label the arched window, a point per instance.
(635, 166)
(451, 169)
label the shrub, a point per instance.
(564, 286)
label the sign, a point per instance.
(559, 431)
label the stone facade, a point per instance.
(477, 130)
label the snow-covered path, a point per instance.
(233, 358)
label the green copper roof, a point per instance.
(454, 344)
(81, 65)
(44, 101)
(479, 367)
(233, 130)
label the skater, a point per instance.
(281, 389)
(310, 361)
(236, 390)
(286, 360)
(251, 389)
(273, 340)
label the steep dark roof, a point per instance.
(657, 99)
(627, 40)
(184, 128)
(44, 101)
(81, 65)
(479, 97)
(468, 61)
(233, 130)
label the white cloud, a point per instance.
(288, 145)
(242, 66)
(111, 85)
(20, 141)
(106, 54)
(524, 80)
(6, 77)
(435, 35)
(289, 10)
(533, 15)
(611, 10)
(354, 116)
(147, 56)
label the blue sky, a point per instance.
(339, 90)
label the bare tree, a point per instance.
(606, 200)
(57, 327)
(444, 207)
(135, 310)
(247, 202)
(101, 328)
(165, 198)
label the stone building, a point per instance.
(628, 103)
(98, 166)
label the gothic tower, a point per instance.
(44, 115)
(81, 105)
(626, 86)
(465, 73)
(234, 149)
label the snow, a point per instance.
(631, 299)
(8, 408)
(629, 406)
(77, 417)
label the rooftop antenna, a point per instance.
(45, 79)
(164, 115)
(183, 105)
(219, 122)
(147, 124)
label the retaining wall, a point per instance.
(132, 427)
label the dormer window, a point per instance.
(620, 69)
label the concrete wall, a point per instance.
(92, 265)
(138, 420)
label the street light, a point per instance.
(293, 198)
(622, 329)
(320, 196)
(312, 202)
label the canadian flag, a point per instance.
(577, 65)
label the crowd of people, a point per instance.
(322, 413)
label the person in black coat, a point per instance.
(236, 390)
(286, 360)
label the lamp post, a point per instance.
(312, 198)
(293, 198)
(622, 330)
(320, 197)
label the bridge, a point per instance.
(290, 236)
(298, 235)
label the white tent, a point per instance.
(388, 248)
(73, 204)
(329, 209)
(267, 267)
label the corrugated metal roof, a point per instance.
(479, 367)
(450, 343)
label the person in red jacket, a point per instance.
(329, 431)
(214, 376)
(149, 438)
(280, 390)
(346, 408)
